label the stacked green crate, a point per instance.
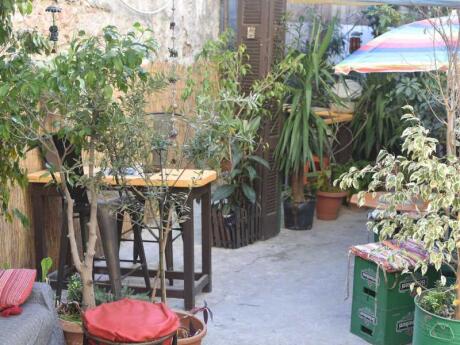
(383, 304)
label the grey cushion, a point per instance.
(38, 323)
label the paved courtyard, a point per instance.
(287, 290)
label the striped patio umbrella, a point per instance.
(415, 47)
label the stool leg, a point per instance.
(108, 226)
(170, 256)
(189, 259)
(135, 251)
(63, 251)
(143, 259)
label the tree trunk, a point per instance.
(450, 144)
(88, 296)
(457, 308)
(86, 273)
(297, 185)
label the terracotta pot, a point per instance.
(328, 204)
(73, 332)
(185, 320)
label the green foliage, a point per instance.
(46, 265)
(74, 289)
(227, 120)
(377, 122)
(70, 311)
(79, 96)
(304, 134)
(17, 78)
(323, 182)
(363, 182)
(422, 91)
(103, 296)
(383, 17)
(5, 266)
(418, 176)
(7, 10)
(439, 301)
(303, 24)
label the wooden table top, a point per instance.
(374, 202)
(177, 178)
(329, 116)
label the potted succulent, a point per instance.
(304, 134)
(420, 175)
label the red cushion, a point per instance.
(15, 286)
(130, 321)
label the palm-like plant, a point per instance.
(304, 134)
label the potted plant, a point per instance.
(227, 125)
(419, 175)
(299, 217)
(70, 312)
(304, 134)
(329, 198)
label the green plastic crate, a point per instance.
(382, 327)
(387, 291)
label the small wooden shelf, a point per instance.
(329, 116)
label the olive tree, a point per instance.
(81, 103)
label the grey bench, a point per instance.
(37, 325)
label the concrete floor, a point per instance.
(284, 291)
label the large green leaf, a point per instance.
(260, 161)
(249, 193)
(223, 192)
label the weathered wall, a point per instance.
(346, 14)
(196, 20)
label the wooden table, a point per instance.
(328, 115)
(371, 201)
(332, 117)
(197, 181)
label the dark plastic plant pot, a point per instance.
(299, 216)
(328, 204)
(431, 329)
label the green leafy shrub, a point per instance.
(439, 301)
(417, 176)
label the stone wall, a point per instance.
(196, 20)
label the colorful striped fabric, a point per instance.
(392, 256)
(415, 47)
(15, 286)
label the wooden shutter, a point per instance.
(260, 29)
